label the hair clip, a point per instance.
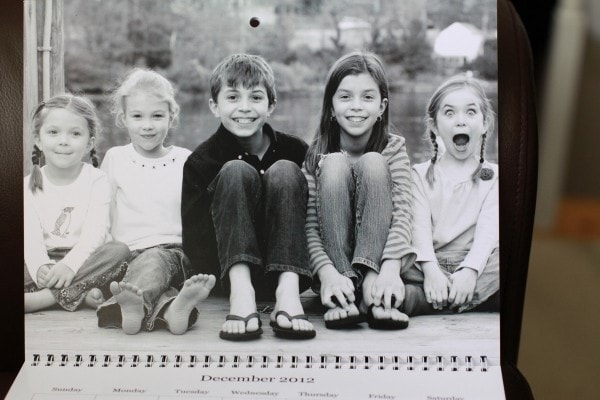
(486, 174)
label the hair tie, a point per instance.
(486, 174)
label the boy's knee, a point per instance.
(238, 172)
(284, 173)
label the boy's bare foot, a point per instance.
(129, 297)
(287, 298)
(93, 298)
(242, 301)
(194, 290)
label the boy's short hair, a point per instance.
(243, 69)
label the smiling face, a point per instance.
(147, 120)
(460, 123)
(64, 138)
(242, 111)
(356, 105)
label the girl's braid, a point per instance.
(94, 157)
(35, 180)
(485, 174)
(482, 153)
(430, 175)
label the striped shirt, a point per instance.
(398, 245)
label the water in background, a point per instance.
(296, 113)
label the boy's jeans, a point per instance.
(158, 272)
(354, 206)
(259, 220)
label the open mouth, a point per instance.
(461, 141)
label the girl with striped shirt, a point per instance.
(359, 206)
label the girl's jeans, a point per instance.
(158, 272)
(259, 220)
(104, 265)
(354, 207)
(488, 283)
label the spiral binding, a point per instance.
(323, 361)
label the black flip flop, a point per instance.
(290, 333)
(384, 324)
(344, 323)
(242, 336)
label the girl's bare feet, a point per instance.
(40, 300)
(93, 298)
(194, 290)
(129, 297)
(339, 313)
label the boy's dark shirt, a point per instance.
(199, 171)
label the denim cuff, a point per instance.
(304, 274)
(365, 262)
(241, 258)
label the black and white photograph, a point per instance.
(262, 177)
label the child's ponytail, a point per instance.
(485, 174)
(94, 157)
(430, 175)
(35, 179)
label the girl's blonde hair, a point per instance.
(455, 83)
(78, 105)
(146, 81)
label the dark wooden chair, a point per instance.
(518, 184)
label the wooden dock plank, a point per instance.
(448, 334)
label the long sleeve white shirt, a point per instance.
(73, 216)
(455, 215)
(146, 196)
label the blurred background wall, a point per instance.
(561, 326)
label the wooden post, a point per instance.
(51, 51)
(46, 49)
(57, 65)
(30, 78)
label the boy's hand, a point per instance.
(60, 276)
(462, 286)
(335, 286)
(42, 275)
(388, 285)
(435, 285)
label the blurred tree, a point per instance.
(415, 51)
(486, 65)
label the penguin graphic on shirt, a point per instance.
(61, 226)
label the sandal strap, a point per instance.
(288, 316)
(233, 317)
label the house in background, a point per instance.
(458, 44)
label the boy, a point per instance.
(244, 203)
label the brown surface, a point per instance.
(561, 327)
(579, 218)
